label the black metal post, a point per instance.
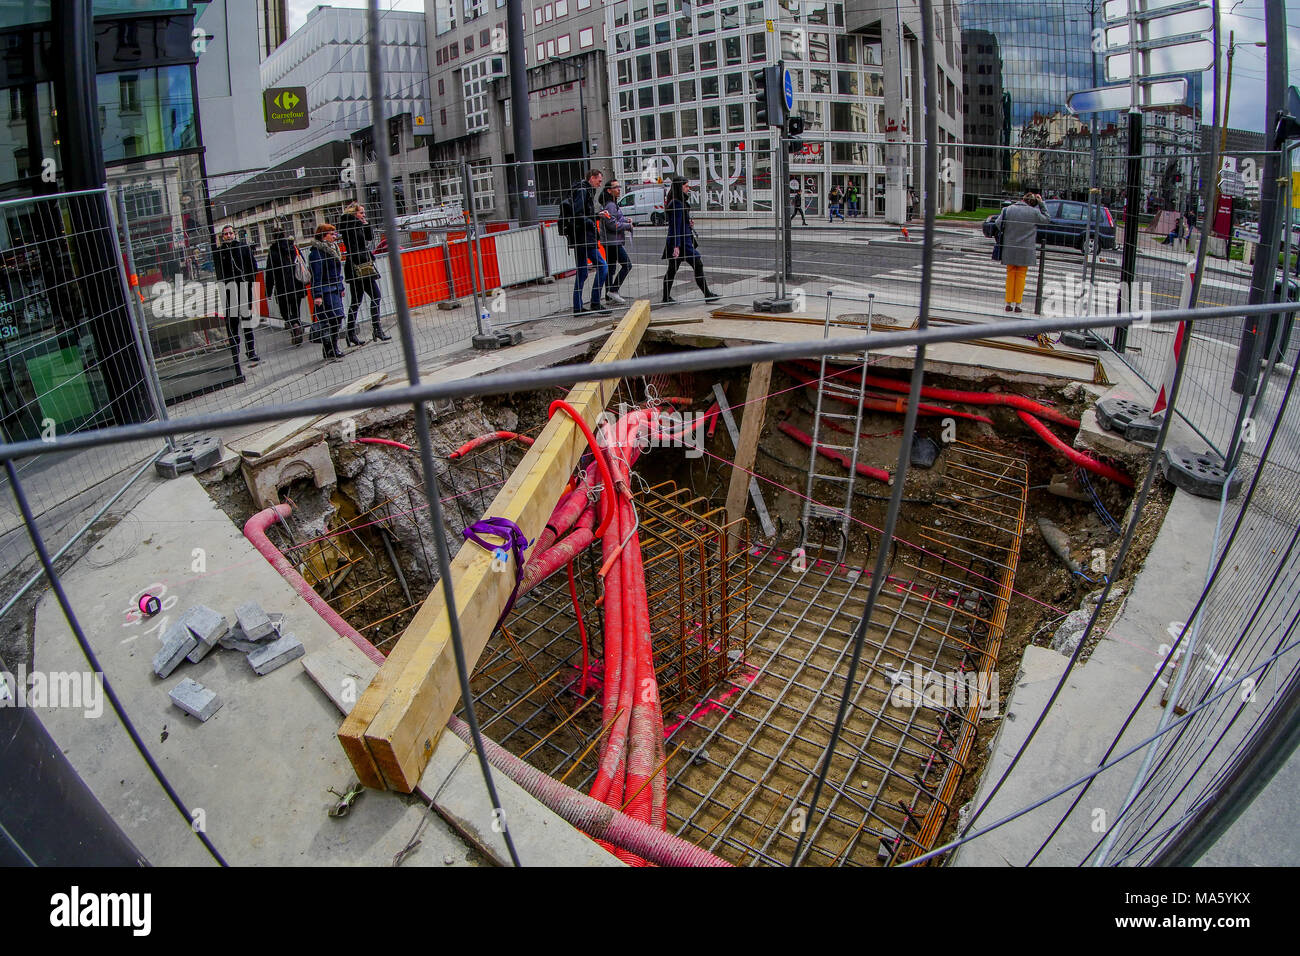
(1245, 375)
(526, 177)
(1128, 262)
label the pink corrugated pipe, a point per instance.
(255, 531)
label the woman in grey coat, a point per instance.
(1018, 226)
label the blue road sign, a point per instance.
(787, 85)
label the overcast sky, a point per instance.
(1245, 17)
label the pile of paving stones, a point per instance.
(200, 629)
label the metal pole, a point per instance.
(1042, 265)
(139, 327)
(471, 238)
(1246, 373)
(519, 115)
(582, 113)
(1128, 263)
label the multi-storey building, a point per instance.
(684, 99)
(312, 173)
(564, 54)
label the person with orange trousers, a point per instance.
(1018, 227)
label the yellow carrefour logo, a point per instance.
(287, 100)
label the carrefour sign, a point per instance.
(285, 108)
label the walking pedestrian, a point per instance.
(283, 281)
(1018, 226)
(854, 200)
(796, 201)
(836, 200)
(237, 270)
(586, 233)
(1190, 217)
(682, 245)
(616, 227)
(360, 271)
(326, 262)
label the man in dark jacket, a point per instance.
(585, 233)
(237, 271)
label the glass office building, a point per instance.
(65, 321)
(682, 97)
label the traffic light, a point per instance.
(771, 99)
(793, 130)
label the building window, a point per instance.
(586, 37)
(550, 48)
(128, 94)
(584, 4)
(484, 37)
(537, 16)
(443, 116)
(306, 224)
(455, 50)
(549, 12)
(562, 45)
(475, 80)
(469, 43)
(561, 8)
(442, 89)
(541, 52)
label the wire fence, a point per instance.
(73, 362)
(123, 335)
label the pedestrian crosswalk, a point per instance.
(973, 281)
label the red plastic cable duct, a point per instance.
(880, 403)
(965, 398)
(1073, 454)
(255, 531)
(596, 452)
(806, 440)
(487, 439)
(383, 441)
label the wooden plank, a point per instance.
(416, 689)
(760, 378)
(258, 446)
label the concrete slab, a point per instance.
(273, 741)
(454, 785)
(963, 360)
(1093, 704)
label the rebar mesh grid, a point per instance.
(752, 751)
(697, 583)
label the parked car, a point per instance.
(644, 203)
(1069, 225)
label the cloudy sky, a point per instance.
(1245, 17)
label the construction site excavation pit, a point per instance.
(753, 614)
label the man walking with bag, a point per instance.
(585, 235)
(237, 271)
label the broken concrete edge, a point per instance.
(453, 785)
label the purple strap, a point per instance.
(514, 539)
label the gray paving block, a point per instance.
(234, 639)
(177, 642)
(195, 699)
(277, 654)
(208, 627)
(253, 621)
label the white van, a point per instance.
(644, 203)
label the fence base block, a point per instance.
(195, 454)
(503, 338)
(1199, 473)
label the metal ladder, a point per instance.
(825, 472)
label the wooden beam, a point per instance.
(760, 378)
(390, 734)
